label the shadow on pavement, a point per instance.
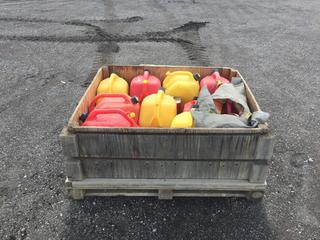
(181, 218)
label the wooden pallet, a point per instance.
(165, 188)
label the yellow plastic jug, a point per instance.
(182, 84)
(182, 120)
(113, 84)
(157, 110)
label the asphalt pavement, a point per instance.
(49, 52)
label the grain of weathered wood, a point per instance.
(263, 128)
(264, 148)
(74, 169)
(244, 169)
(258, 173)
(168, 146)
(177, 184)
(69, 143)
(77, 194)
(165, 193)
(150, 193)
(163, 169)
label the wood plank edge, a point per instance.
(174, 184)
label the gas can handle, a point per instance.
(146, 74)
(112, 78)
(215, 74)
(160, 96)
(109, 95)
(179, 73)
(96, 112)
(229, 106)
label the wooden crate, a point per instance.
(161, 162)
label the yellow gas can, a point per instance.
(182, 84)
(113, 84)
(157, 110)
(182, 120)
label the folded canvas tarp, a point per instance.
(206, 115)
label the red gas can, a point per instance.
(189, 105)
(213, 81)
(144, 85)
(109, 118)
(121, 101)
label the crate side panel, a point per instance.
(162, 169)
(98, 168)
(167, 146)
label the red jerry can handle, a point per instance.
(146, 75)
(109, 95)
(216, 74)
(96, 112)
(229, 106)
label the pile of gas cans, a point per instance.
(148, 103)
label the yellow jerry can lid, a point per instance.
(113, 84)
(182, 120)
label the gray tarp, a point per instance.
(205, 101)
(206, 117)
(233, 91)
(214, 120)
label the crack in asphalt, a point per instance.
(194, 49)
(43, 20)
(101, 35)
(108, 43)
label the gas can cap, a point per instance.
(134, 99)
(132, 115)
(195, 106)
(161, 89)
(196, 76)
(83, 116)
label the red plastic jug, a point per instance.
(187, 107)
(144, 85)
(225, 107)
(213, 81)
(109, 118)
(121, 101)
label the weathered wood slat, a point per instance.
(69, 143)
(153, 193)
(163, 169)
(74, 169)
(176, 184)
(265, 146)
(244, 169)
(145, 146)
(165, 190)
(258, 173)
(263, 128)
